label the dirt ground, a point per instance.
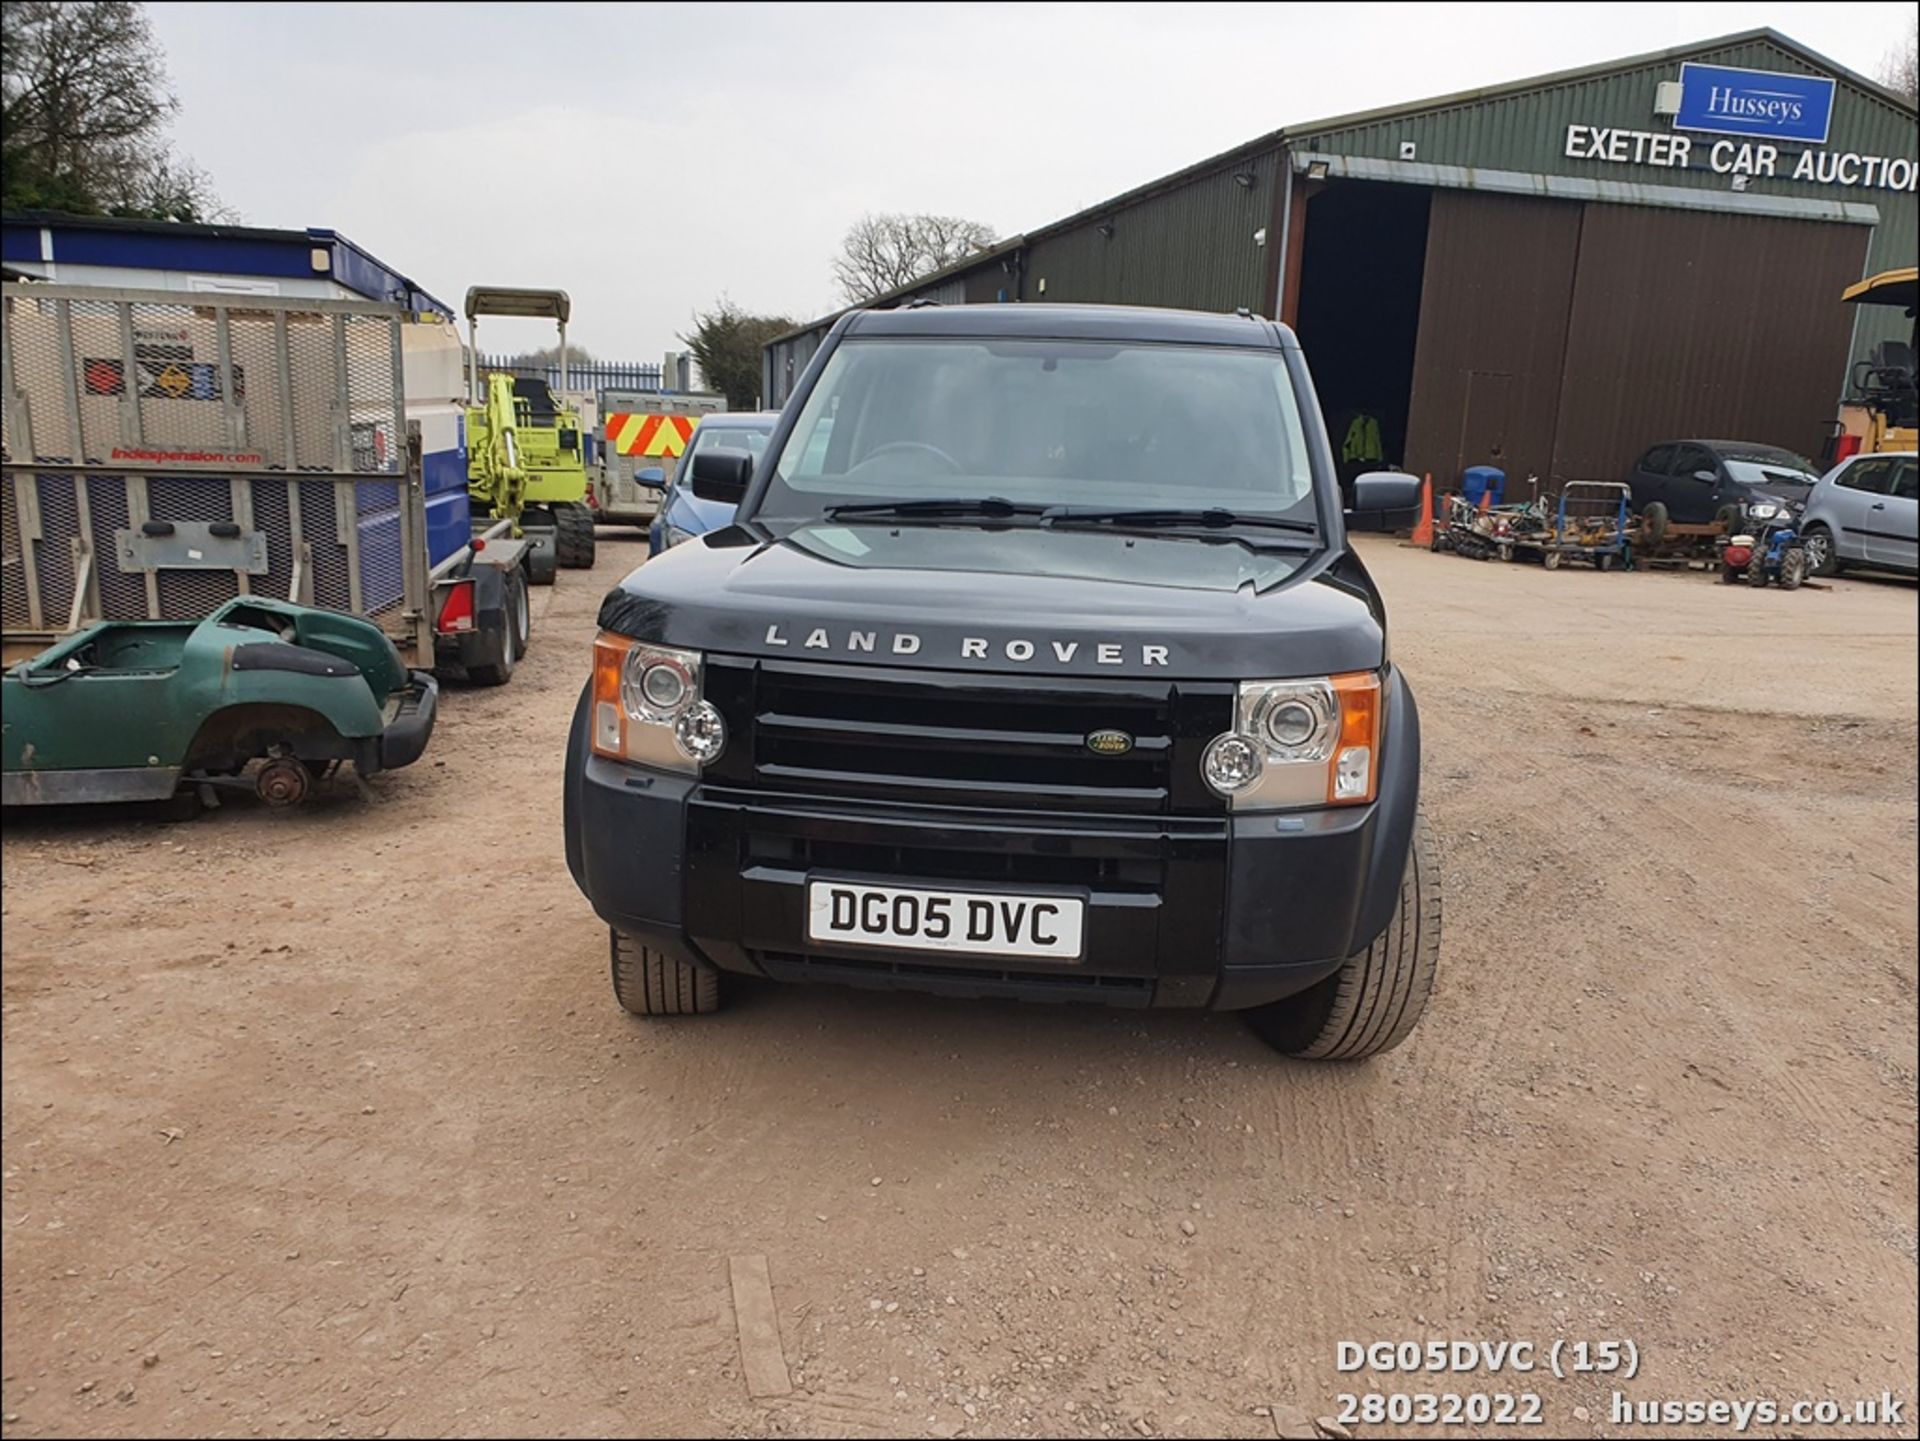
(326, 1123)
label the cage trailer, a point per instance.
(164, 452)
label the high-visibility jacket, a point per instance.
(1363, 439)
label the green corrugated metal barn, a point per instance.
(1547, 276)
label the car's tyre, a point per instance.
(1653, 524)
(1372, 1003)
(1728, 518)
(573, 536)
(1793, 568)
(499, 670)
(648, 983)
(1823, 555)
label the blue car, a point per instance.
(683, 515)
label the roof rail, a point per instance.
(919, 301)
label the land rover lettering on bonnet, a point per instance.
(1035, 664)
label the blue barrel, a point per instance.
(1479, 480)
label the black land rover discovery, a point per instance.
(1036, 664)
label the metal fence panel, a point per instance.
(594, 375)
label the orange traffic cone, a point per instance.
(1486, 500)
(1423, 528)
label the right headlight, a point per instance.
(647, 706)
(675, 536)
(1299, 743)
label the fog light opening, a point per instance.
(1231, 764)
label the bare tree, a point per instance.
(1900, 70)
(83, 108)
(882, 253)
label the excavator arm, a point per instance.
(496, 479)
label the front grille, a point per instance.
(1112, 874)
(1009, 742)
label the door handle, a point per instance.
(1879, 505)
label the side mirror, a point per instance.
(653, 477)
(722, 475)
(1705, 475)
(1384, 491)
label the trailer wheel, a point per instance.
(573, 536)
(1603, 561)
(1653, 524)
(1793, 568)
(500, 670)
(648, 983)
(1551, 560)
(1376, 998)
(520, 612)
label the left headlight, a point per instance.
(1299, 743)
(647, 706)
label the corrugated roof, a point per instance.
(1506, 89)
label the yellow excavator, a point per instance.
(525, 461)
(1881, 411)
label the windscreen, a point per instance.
(1052, 422)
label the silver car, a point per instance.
(1863, 512)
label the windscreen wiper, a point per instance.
(988, 505)
(1212, 519)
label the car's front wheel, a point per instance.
(1376, 998)
(650, 983)
(1823, 556)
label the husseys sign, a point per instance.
(1759, 114)
(1763, 104)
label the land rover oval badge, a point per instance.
(1109, 743)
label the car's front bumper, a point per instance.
(407, 734)
(1225, 911)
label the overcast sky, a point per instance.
(650, 158)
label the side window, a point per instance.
(1687, 459)
(1906, 480)
(1656, 461)
(1871, 476)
